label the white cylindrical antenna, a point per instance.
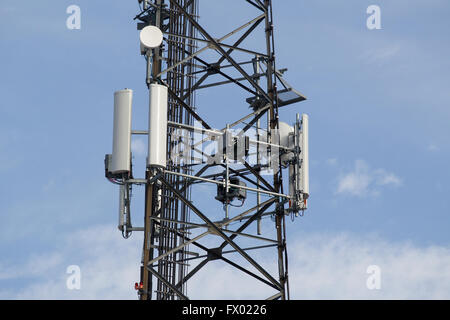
(157, 126)
(304, 155)
(121, 154)
(150, 37)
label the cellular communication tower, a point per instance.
(244, 161)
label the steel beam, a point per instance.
(209, 251)
(220, 233)
(167, 283)
(221, 50)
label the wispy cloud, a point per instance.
(364, 181)
(335, 267)
(322, 266)
(381, 55)
(139, 147)
(109, 267)
(433, 147)
(332, 161)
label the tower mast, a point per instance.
(178, 236)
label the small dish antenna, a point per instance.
(151, 37)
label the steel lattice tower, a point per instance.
(174, 226)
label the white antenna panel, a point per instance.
(157, 126)
(121, 153)
(305, 156)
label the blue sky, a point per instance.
(378, 102)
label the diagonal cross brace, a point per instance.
(222, 58)
(167, 283)
(221, 50)
(220, 233)
(204, 262)
(249, 221)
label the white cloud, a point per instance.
(363, 181)
(35, 266)
(334, 267)
(322, 266)
(332, 161)
(138, 147)
(109, 267)
(432, 147)
(381, 55)
(383, 178)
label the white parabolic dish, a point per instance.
(151, 37)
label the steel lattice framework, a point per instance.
(175, 228)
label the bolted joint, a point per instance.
(214, 253)
(271, 58)
(282, 246)
(213, 68)
(280, 208)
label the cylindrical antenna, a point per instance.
(157, 126)
(305, 157)
(121, 154)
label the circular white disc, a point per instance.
(151, 37)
